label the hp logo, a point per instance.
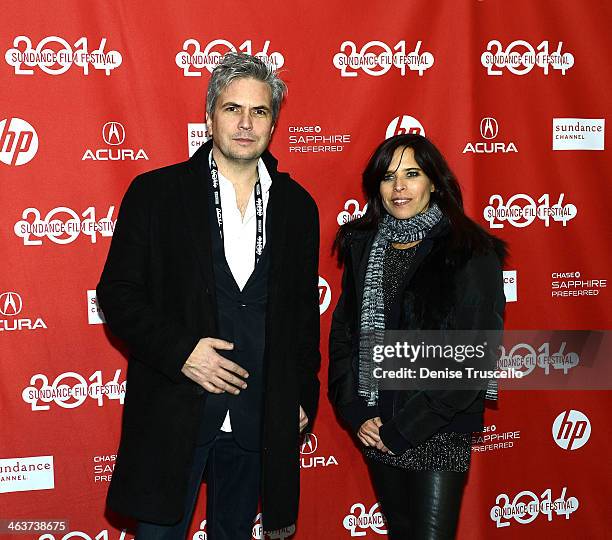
(571, 429)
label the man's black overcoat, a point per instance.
(157, 293)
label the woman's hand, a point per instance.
(369, 434)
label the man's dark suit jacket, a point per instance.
(157, 293)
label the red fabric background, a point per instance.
(149, 95)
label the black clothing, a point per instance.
(418, 505)
(396, 265)
(159, 295)
(448, 451)
(444, 288)
(233, 480)
(242, 321)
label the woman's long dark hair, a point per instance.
(465, 233)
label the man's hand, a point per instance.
(303, 419)
(211, 371)
(369, 434)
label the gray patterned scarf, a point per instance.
(372, 327)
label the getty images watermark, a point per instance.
(470, 359)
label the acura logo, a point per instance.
(309, 446)
(113, 133)
(10, 304)
(488, 128)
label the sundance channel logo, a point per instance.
(197, 135)
(94, 314)
(510, 285)
(578, 133)
(26, 474)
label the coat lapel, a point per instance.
(276, 232)
(195, 186)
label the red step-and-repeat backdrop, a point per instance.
(515, 94)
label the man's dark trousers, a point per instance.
(233, 479)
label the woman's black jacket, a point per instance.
(445, 288)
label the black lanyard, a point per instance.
(259, 209)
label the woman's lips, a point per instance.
(400, 202)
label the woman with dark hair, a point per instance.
(413, 261)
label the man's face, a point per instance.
(241, 123)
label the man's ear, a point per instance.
(273, 128)
(209, 123)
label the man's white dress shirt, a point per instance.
(239, 234)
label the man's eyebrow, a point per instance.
(233, 104)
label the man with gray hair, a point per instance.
(212, 282)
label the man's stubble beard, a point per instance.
(230, 155)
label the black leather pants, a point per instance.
(418, 505)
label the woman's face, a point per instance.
(405, 189)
